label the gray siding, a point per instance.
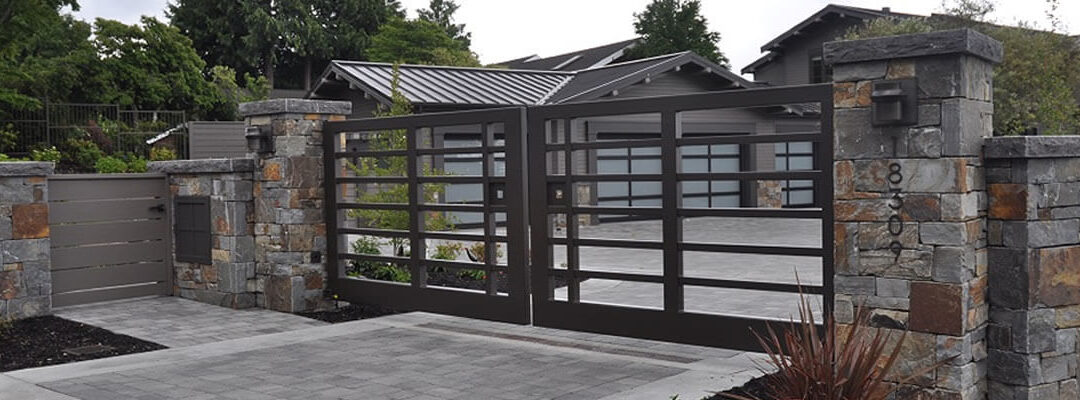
(792, 66)
(217, 139)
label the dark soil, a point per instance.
(754, 389)
(41, 341)
(351, 312)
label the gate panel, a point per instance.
(555, 199)
(361, 203)
(109, 237)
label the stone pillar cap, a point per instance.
(295, 106)
(210, 165)
(26, 168)
(1033, 147)
(957, 41)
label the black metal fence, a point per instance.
(543, 194)
(54, 123)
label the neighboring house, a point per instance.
(794, 57)
(440, 88)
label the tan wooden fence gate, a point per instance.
(110, 237)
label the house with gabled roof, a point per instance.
(543, 81)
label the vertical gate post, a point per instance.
(290, 226)
(910, 202)
(25, 277)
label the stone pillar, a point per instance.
(910, 203)
(25, 278)
(229, 280)
(1034, 237)
(290, 231)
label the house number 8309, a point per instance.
(896, 202)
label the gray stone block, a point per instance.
(1056, 369)
(295, 106)
(954, 264)
(29, 306)
(26, 168)
(25, 250)
(5, 230)
(203, 166)
(1028, 332)
(929, 114)
(958, 41)
(15, 190)
(234, 190)
(863, 71)
(1032, 147)
(856, 139)
(943, 233)
(965, 124)
(1038, 234)
(893, 287)
(1065, 341)
(855, 285)
(924, 142)
(1013, 368)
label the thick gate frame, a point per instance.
(501, 194)
(673, 323)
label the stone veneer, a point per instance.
(935, 283)
(290, 228)
(1034, 238)
(229, 280)
(25, 279)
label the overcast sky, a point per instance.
(507, 29)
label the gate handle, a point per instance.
(158, 208)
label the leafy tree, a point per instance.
(39, 51)
(1037, 85)
(295, 34)
(231, 94)
(671, 26)
(418, 41)
(441, 12)
(152, 66)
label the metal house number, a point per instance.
(896, 202)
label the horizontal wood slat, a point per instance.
(114, 275)
(108, 232)
(89, 296)
(76, 257)
(95, 188)
(105, 210)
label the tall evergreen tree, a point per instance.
(671, 26)
(441, 12)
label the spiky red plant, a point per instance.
(821, 363)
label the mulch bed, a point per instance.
(754, 389)
(351, 312)
(49, 340)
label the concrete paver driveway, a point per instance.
(406, 356)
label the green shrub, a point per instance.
(137, 164)
(81, 155)
(46, 154)
(7, 158)
(110, 165)
(8, 138)
(162, 154)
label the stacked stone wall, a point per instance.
(25, 280)
(1034, 239)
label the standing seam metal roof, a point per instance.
(450, 85)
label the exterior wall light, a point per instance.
(894, 102)
(258, 139)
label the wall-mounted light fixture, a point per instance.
(894, 102)
(259, 139)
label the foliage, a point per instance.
(110, 165)
(46, 154)
(159, 153)
(1037, 85)
(418, 41)
(671, 26)
(447, 251)
(134, 163)
(81, 154)
(441, 12)
(848, 362)
(477, 251)
(8, 138)
(258, 37)
(21, 21)
(230, 94)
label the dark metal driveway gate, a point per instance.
(503, 194)
(554, 196)
(537, 183)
